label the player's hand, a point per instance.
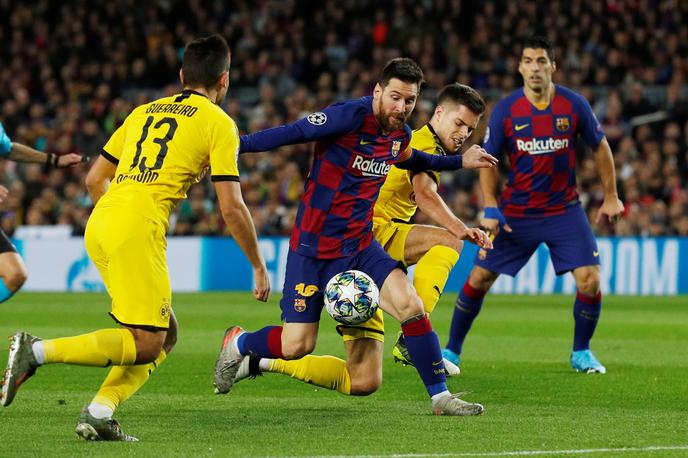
(493, 221)
(3, 192)
(262, 289)
(612, 208)
(477, 236)
(70, 159)
(476, 157)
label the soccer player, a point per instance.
(145, 168)
(356, 143)
(434, 250)
(12, 269)
(538, 126)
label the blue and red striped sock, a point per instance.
(468, 305)
(264, 343)
(586, 312)
(426, 354)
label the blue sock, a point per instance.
(425, 352)
(5, 293)
(264, 343)
(586, 312)
(468, 305)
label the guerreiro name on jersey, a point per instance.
(164, 147)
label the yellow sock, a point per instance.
(123, 381)
(100, 348)
(431, 274)
(325, 371)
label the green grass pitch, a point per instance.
(515, 363)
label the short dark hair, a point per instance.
(404, 69)
(205, 59)
(539, 42)
(461, 94)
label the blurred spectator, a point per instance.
(73, 71)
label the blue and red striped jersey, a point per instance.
(541, 147)
(351, 161)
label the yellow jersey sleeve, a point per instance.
(224, 150)
(424, 140)
(396, 200)
(112, 151)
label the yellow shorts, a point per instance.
(374, 328)
(392, 236)
(129, 251)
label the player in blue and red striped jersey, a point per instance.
(356, 143)
(538, 126)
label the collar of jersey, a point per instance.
(191, 91)
(438, 143)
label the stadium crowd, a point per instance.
(71, 71)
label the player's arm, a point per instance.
(103, 170)
(22, 153)
(611, 207)
(224, 173)
(592, 134)
(494, 140)
(492, 219)
(432, 204)
(420, 161)
(335, 120)
(240, 225)
(99, 177)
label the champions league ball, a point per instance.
(351, 297)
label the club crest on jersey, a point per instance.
(317, 119)
(299, 305)
(562, 124)
(396, 147)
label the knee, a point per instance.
(481, 279)
(410, 306)
(589, 283)
(170, 340)
(15, 278)
(296, 350)
(454, 243)
(171, 337)
(365, 386)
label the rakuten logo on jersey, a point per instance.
(537, 146)
(370, 167)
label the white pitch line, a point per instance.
(658, 448)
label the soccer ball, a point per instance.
(351, 297)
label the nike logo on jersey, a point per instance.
(595, 253)
(363, 142)
(518, 127)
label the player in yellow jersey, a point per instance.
(145, 168)
(434, 251)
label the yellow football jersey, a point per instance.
(397, 200)
(164, 147)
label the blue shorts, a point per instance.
(568, 236)
(306, 278)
